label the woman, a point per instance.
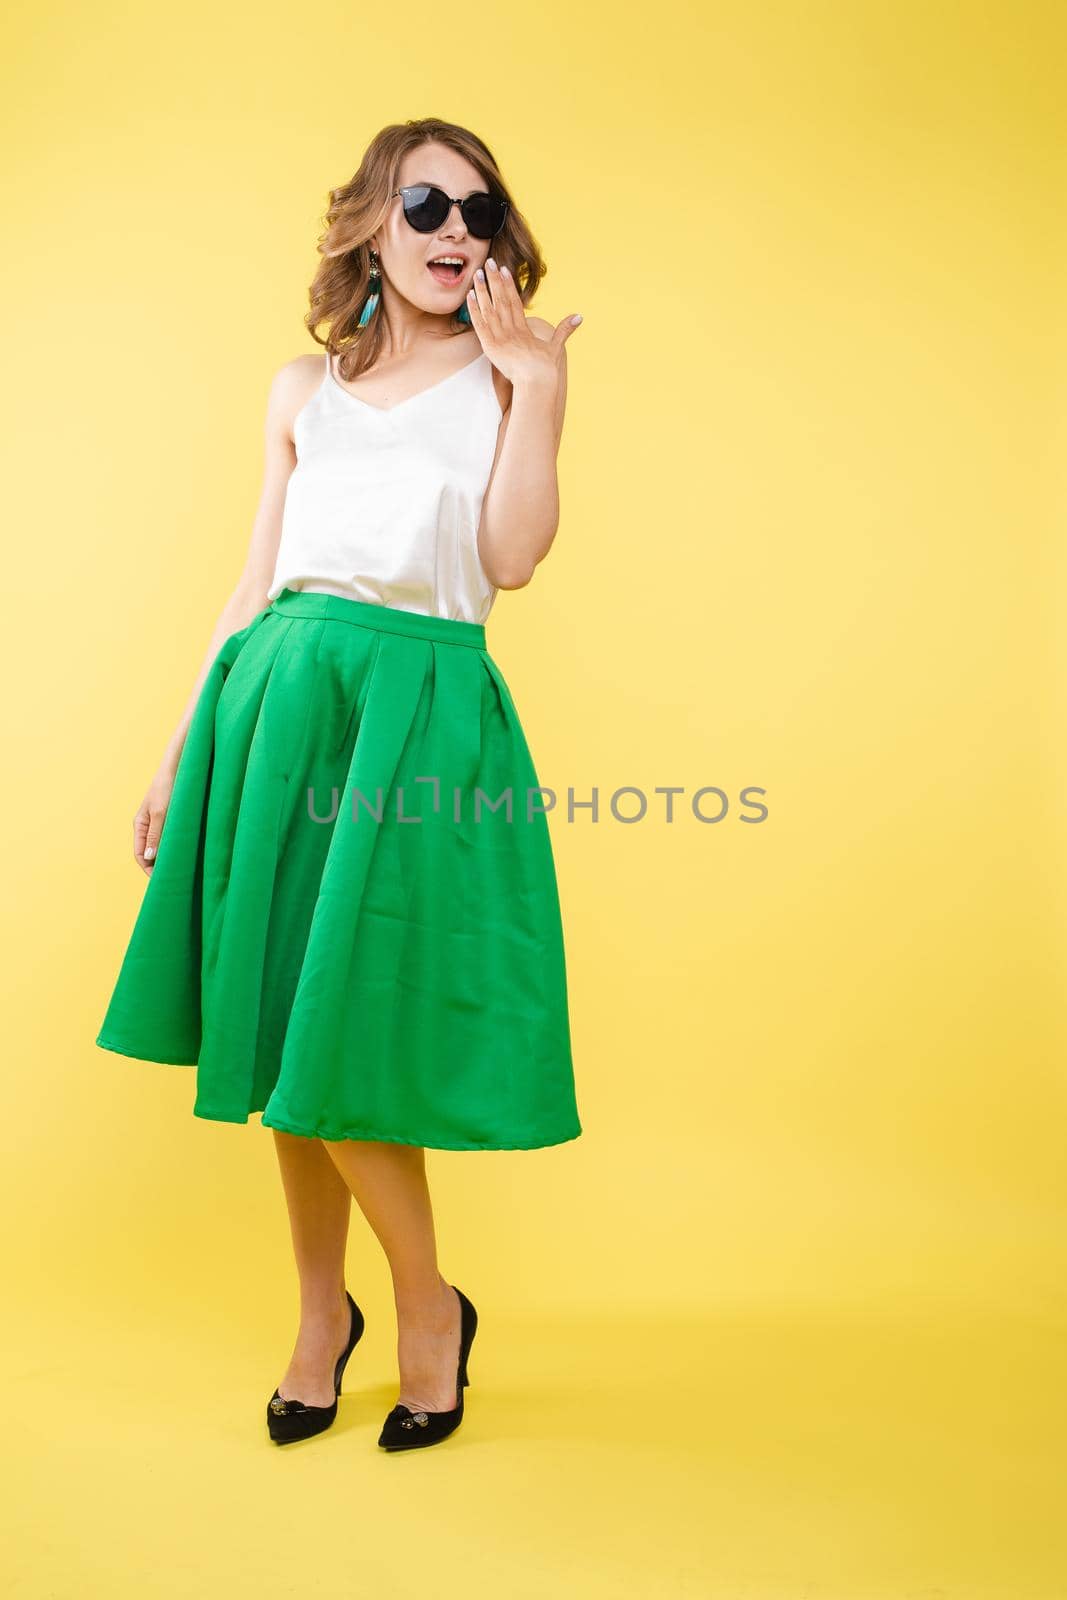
(347, 925)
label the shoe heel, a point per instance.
(471, 1319)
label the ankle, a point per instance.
(425, 1304)
(326, 1306)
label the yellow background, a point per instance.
(786, 1322)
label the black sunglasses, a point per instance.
(426, 207)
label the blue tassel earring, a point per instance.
(463, 313)
(370, 305)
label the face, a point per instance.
(404, 253)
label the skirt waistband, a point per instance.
(387, 619)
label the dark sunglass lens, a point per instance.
(483, 214)
(425, 207)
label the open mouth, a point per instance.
(445, 271)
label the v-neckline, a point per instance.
(387, 411)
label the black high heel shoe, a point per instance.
(405, 1429)
(289, 1420)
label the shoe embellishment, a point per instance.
(416, 1416)
(281, 1406)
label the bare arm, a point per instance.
(520, 510)
(288, 391)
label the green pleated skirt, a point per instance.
(353, 924)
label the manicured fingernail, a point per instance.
(480, 275)
(150, 852)
(504, 273)
(577, 317)
(490, 262)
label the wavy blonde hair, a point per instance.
(358, 207)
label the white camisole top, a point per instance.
(383, 505)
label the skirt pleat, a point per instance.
(347, 928)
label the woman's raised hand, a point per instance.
(499, 319)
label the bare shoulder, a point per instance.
(294, 376)
(291, 387)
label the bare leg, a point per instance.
(320, 1206)
(389, 1183)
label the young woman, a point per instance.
(351, 922)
